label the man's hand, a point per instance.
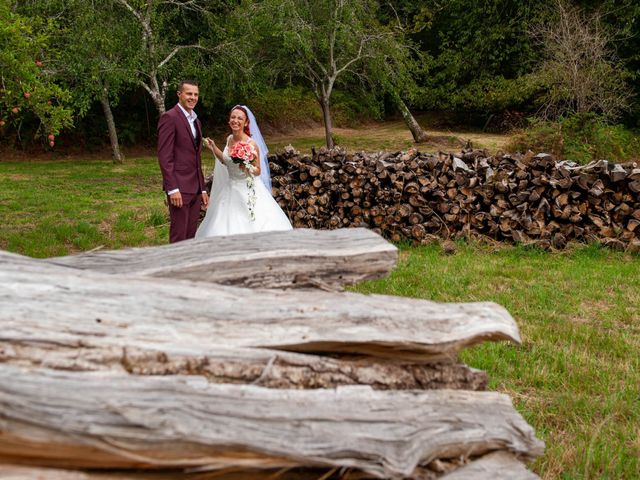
(176, 199)
(205, 200)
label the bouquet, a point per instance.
(243, 153)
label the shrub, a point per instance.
(286, 108)
(296, 107)
(579, 137)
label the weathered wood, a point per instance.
(82, 420)
(20, 472)
(171, 378)
(62, 306)
(264, 367)
(301, 258)
(493, 466)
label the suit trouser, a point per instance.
(184, 220)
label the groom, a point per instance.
(179, 148)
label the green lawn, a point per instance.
(576, 377)
(50, 208)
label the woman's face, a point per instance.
(237, 120)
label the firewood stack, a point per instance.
(241, 357)
(531, 199)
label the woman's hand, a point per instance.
(210, 144)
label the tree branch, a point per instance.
(176, 50)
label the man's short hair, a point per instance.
(187, 82)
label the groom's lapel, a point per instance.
(198, 140)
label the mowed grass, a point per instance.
(50, 208)
(389, 136)
(575, 378)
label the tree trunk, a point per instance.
(419, 135)
(190, 379)
(303, 258)
(158, 99)
(328, 125)
(111, 124)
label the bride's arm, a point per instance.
(211, 145)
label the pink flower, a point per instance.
(243, 151)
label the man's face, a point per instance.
(188, 96)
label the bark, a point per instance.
(150, 422)
(419, 135)
(302, 258)
(81, 308)
(328, 124)
(111, 124)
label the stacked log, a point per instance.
(136, 365)
(525, 198)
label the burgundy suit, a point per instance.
(179, 158)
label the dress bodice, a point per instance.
(233, 168)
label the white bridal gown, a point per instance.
(228, 212)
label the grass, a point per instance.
(51, 208)
(390, 136)
(575, 378)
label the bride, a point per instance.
(241, 200)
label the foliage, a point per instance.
(26, 76)
(173, 39)
(477, 48)
(475, 60)
(98, 51)
(323, 44)
(301, 105)
(579, 69)
(621, 19)
(581, 138)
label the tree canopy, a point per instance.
(27, 64)
(474, 58)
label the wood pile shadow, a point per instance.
(243, 357)
(524, 198)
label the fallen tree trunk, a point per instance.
(71, 308)
(170, 378)
(493, 466)
(498, 465)
(302, 258)
(118, 421)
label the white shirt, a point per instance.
(191, 118)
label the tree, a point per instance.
(97, 60)
(321, 42)
(478, 52)
(579, 69)
(26, 83)
(160, 41)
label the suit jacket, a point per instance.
(179, 153)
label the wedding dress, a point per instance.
(229, 211)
